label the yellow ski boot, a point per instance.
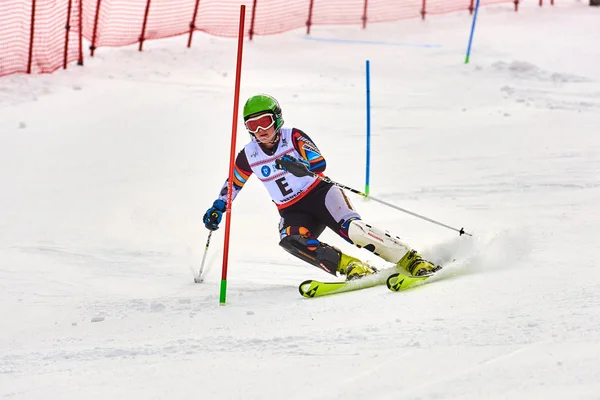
(415, 265)
(353, 268)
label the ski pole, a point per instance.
(299, 169)
(199, 278)
(460, 231)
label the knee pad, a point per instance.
(380, 242)
(295, 230)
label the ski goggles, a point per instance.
(263, 121)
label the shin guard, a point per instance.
(313, 251)
(381, 243)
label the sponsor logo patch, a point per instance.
(265, 170)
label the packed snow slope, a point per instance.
(107, 170)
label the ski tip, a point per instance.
(397, 282)
(304, 287)
(390, 281)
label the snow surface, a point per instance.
(107, 170)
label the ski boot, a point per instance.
(353, 268)
(415, 265)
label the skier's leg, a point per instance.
(319, 209)
(347, 223)
(377, 241)
(299, 241)
(341, 217)
(388, 247)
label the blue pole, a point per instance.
(368, 167)
(472, 32)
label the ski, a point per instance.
(312, 288)
(395, 278)
(398, 281)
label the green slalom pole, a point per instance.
(223, 295)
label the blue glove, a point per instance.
(293, 165)
(212, 217)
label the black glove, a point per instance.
(294, 166)
(212, 217)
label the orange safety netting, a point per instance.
(39, 36)
(34, 38)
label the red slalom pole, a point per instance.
(236, 100)
(31, 35)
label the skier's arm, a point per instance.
(308, 150)
(241, 173)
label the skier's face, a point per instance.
(265, 136)
(262, 126)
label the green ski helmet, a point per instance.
(261, 103)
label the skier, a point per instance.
(285, 159)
